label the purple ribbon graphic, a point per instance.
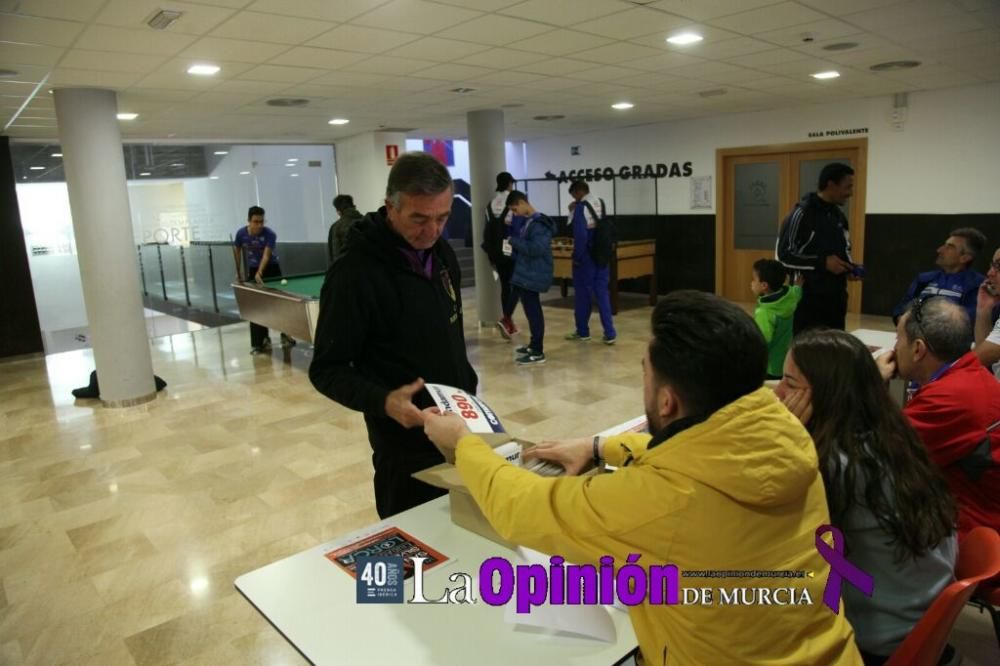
(840, 568)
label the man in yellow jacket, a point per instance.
(728, 482)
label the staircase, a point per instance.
(465, 261)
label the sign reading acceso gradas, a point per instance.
(626, 171)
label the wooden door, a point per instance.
(759, 185)
(756, 194)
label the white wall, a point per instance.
(514, 154)
(362, 170)
(945, 160)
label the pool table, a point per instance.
(291, 308)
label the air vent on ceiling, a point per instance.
(511, 106)
(714, 92)
(462, 90)
(893, 65)
(396, 129)
(287, 101)
(550, 117)
(163, 19)
(840, 46)
(7, 73)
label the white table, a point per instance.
(873, 338)
(884, 340)
(311, 602)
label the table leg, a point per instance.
(564, 287)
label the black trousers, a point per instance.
(397, 453)
(395, 489)
(826, 310)
(258, 333)
(507, 299)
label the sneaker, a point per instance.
(265, 346)
(609, 341)
(287, 341)
(531, 359)
(576, 336)
(524, 350)
(504, 331)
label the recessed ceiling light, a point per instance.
(339, 121)
(290, 164)
(37, 168)
(621, 106)
(144, 173)
(177, 164)
(127, 116)
(894, 65)
(294, 175)
(213, 178)
(293, 159)
(221, 152)
(244, 173)
(825, 75)
(203, 70)
(56, 154)
(685, 38)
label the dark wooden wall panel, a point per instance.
(899, 246)
(20, 332)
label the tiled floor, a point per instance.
(158, 325)
(121, 531)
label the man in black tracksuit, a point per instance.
(814, 241)
(391, 318)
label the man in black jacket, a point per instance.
(391, 318)
(814, 241)
(340, 230)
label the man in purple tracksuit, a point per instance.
(592, 251)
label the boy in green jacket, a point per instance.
(775, 310)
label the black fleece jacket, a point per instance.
(383, 323)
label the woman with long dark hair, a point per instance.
(883, 492)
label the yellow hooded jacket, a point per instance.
(739, 491)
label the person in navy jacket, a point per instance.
(954, 279)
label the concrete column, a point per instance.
(487, 158)
(109, 269)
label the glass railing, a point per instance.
(199, 275)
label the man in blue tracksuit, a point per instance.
(955, 279)
(592, 251)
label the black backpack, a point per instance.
(602, 248)
(493, 235)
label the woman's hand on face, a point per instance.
(799, 403)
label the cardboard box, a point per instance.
(464, 510)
